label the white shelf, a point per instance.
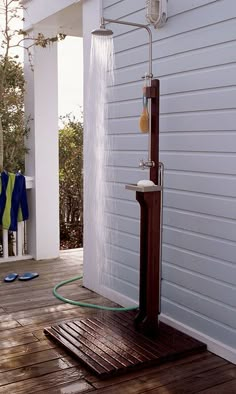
(143, 189)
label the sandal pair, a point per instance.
(26, 276)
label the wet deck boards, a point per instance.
(30, 362)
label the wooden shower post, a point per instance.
(153, 93)
(150, 228)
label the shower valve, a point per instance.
(146, 164)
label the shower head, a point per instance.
(102, 32)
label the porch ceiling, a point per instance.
(68, 21)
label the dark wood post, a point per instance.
(143, 260)
(150, 204)
(153, 93)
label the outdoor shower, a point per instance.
(112, 343)
(149, 196)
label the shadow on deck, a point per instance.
(32, 363)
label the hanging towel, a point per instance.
(13, 200)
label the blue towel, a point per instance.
(13, 200)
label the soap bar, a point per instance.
(145, 182)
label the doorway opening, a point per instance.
(70, 93)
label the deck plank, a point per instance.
(224, 388)
(202, 381)
(43, 383)
(34, 370)
(71, 388)
(29, 359)
(15, 340)
(22, 350)
(157, 379)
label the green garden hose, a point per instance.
(84, 304)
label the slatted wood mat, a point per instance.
(109, 345)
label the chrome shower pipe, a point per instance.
(105, 20)
(148, 76)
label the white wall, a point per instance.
(91, 18)
(194, 57)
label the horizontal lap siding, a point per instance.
(194, 56)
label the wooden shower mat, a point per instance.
(109, 344)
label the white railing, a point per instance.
(14, 243)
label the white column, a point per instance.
(41, 105)
(91, 20)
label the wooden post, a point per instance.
(150, 204)
(143, 259)
(153, 94)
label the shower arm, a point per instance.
(150, 163)
(105, 20)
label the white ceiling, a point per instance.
(68, 21)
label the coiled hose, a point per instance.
(84, 304)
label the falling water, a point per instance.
(101, 75)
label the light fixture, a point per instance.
(156, 12)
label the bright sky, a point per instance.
(70, 58)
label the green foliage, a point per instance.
(12, 116)
(71, 183)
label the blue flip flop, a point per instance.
(10, 277)
(28, 276)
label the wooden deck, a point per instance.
(31, 363)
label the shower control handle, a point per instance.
(146, 164)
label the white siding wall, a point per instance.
(195, 59)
